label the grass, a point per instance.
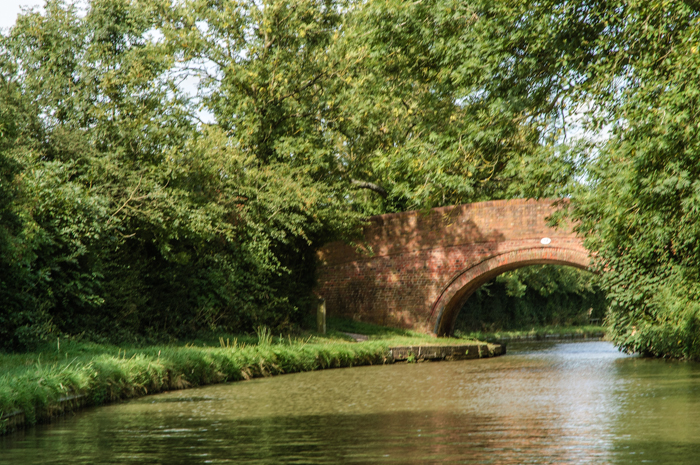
(536, 333)
(38, 383)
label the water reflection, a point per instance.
(547, 403)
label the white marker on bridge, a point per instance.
(545, 240)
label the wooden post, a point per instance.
(321, 316)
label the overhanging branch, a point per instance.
(371, 186)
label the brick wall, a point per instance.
(415, 271)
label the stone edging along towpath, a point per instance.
(449, 353)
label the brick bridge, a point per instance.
(416, 271)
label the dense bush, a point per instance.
(122, 217)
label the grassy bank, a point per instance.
(70, 374)
(541, 333)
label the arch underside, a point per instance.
(452, 299)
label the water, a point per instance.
(547, 403)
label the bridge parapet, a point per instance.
(404, 271)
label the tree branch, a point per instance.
(131, 197)
(371, 186)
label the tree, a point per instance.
(452, 102)
(124, 210)
(639, 211)
(148, 224)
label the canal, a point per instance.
(581, 402)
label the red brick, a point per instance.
(425, 267)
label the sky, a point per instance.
(9, 9)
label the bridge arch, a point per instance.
(414, 269)
(444, 311)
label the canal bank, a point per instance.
(545, 403)
(37, 387)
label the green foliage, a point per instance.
(134, 220)
(534, 296)
(443, 106)
(386, 104)
(125, 216)
(90, 124)
(22, 318)
(639, 212)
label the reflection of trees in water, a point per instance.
(659, 421)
